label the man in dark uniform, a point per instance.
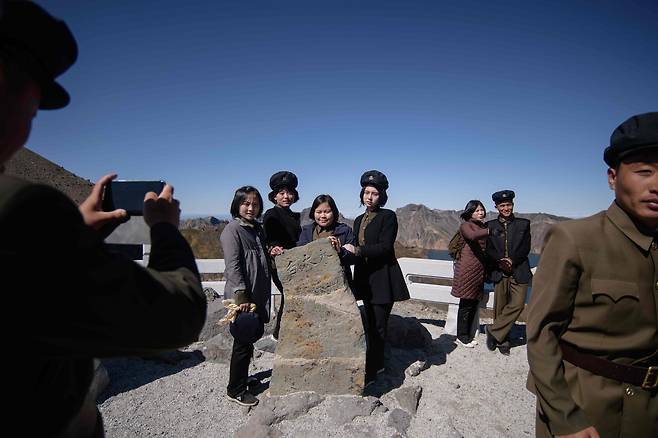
(508, 246)
(593, 314)
(81, 301)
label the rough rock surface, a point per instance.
(465, 393)
(322, 344)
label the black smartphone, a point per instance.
(129, 195)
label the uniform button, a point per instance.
(657, 285)
(630, 391)
(654, 245)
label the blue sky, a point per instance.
(451, 100)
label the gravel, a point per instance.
(465, 393)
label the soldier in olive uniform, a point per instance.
(508, 246)
(592, 320)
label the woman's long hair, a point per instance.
(470, 208)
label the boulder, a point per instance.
(405, 398)
(275, 409)
(407, 333)
(322, 344)
(399, 419)
(343, 409)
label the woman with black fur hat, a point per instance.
(282, 225)
(378, 279)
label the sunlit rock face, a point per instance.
(322, 345)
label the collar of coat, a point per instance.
(245, 223)
(622, 220)
(502, 220)
(285, 210)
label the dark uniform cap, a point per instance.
(41, 44)
(283, 179)
(374, 178)
(247, 328)
(638, 133)
(503, 196)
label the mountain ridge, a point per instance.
(420, 228)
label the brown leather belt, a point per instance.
(646, 378)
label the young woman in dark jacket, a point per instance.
(378, 279)
(282, 225)
(468, 278)
(324, 214)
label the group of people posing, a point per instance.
(251, 248)
(495, 251)
(592, 325)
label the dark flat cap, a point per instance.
(247, 328)
(41, 44)
(374, 178)
(503, 196)
(638, 133)
(283, 179)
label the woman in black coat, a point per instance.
(378, 279)
(282, 226)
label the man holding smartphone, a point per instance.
(81, 301)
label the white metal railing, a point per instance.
(421, 276)
(415, 271)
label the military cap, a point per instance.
(374, 178)
(247, 328)
(280, 180)
(503, 196)
(638, 133)
(283, 179)
(41, 44)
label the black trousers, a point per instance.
(465, 315)
(377, 319)
(239, 371)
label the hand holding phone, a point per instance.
(129, 195)
(162, 208)
(91, 209)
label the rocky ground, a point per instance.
(431, 388)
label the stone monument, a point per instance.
(322, 344)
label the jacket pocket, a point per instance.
(615, 289)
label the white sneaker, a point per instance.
(473, 343)
(469, 345)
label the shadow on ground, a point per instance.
(128, 373)
(260, 386)
(410, 345)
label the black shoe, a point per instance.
(492, 343)
(244, 399)
(504, 350)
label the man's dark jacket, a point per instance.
(518, 245)
(377, 274)
(68, 300)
